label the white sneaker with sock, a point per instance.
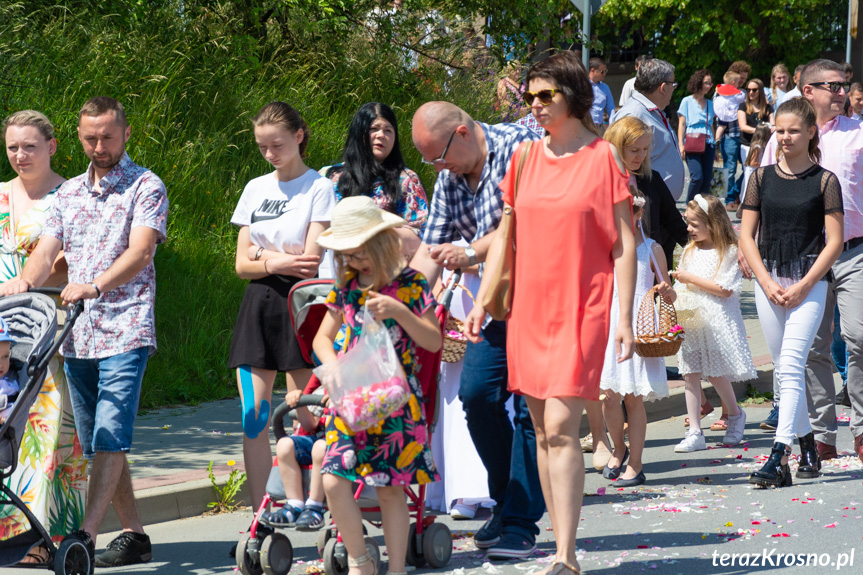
(693, 441)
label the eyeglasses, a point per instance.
(359, 256)
(834, 87)
(752, 90)
(441, 161)
(673, 85)
(545, 96)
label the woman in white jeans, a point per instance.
(790, 205)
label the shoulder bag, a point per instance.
(498, 300)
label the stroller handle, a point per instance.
(42, 363)
(283, 410)
(445, 298)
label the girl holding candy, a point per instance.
(372, 272)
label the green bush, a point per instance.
(190, 83)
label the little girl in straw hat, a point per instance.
(372, 272)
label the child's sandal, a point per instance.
(720, 424)
(363, 560)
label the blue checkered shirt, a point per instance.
(530, 122)
(455, 210)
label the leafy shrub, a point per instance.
(190, 80)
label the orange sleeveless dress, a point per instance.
(564, 271)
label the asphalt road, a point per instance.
(695, 512)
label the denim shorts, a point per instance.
(105, 394)
(303, 448)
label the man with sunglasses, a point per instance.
(654, 86)
(603, 100)
(471, 158)
(823, 83)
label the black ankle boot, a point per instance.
(810, 465)
(773, 472)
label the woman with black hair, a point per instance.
(373, 166)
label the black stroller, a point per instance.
(32, 320)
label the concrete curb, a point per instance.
(173, 501)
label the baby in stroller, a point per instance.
(305, 447)
(8, 382)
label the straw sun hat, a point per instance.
(355, 220)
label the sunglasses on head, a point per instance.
(545, 96)
(833, 86)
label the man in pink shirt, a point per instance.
(823, 83)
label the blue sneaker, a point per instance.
(512, 546)
(489, 534)
(283, 517)
(311, 519)
(772, 421)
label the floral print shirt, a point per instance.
(411, 205)
(94, 229)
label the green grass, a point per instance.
(190, 87)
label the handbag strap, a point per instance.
(525, 150)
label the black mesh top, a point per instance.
(792, 208)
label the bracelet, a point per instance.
(258, 254)
(98, 291)
(266, 271)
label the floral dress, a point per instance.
(51, 473)
(396, 451)
(412, 204)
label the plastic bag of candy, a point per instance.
(367, 384)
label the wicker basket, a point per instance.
(657, 332)
(454, 340)
(453, 346)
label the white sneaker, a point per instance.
(460, 511)
(694, 441)
(736, 427)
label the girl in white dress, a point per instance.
(637, 379)
(708, 288)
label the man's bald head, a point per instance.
(447, 136)
(437, 120)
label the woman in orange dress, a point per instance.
(573, 232)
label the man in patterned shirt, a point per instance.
(471, 159)
(108, 222)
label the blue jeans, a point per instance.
(700, 172)
(105, 394)
(730, 155)
(838, 349)
(509, 455)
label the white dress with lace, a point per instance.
(644, 376)
(715, 343)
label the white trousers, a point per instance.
(789, 334)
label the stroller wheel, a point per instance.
(248, 556)
(437, 545)
(277, 554)
(414, 555)
(323, 536)
(335, 561)
(73, 558)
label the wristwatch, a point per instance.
(471, 255)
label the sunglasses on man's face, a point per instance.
(834, 87)
(441, 162)
(545, 96)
